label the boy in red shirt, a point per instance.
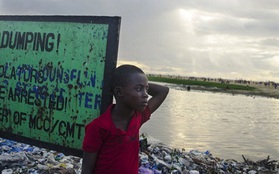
(111, 142)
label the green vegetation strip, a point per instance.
(200, 83)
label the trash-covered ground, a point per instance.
(18, 158)
(158, 158)
(155, 158)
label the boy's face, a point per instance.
(135, 92)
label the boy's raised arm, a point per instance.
(158, 93)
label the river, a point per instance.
(227, 125)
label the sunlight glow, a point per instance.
(140, 65)
(191, 15)
(187, 15)
(275, 61)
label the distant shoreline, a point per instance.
(242, 87)
(261, 91)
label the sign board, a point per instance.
(55, 74)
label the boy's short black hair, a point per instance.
(122, 73)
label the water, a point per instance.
(229, 126)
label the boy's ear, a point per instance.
(118, 91)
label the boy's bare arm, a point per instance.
(158, 94)
(88, 162)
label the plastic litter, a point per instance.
(23, 158)
(165, 160)
(7, 171)
(155, 158)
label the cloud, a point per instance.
(232, 38)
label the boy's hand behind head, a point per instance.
(158, 93)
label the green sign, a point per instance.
(55, 75)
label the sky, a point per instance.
(230, 39)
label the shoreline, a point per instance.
(154, 158)
(261, 91)
(153, 153)
(267, 89)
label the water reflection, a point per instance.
(229, 126)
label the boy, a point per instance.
(111, 142)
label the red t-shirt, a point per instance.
(118, 150)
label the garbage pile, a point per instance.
(158, 158)
(155, 158)
(18, 158)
